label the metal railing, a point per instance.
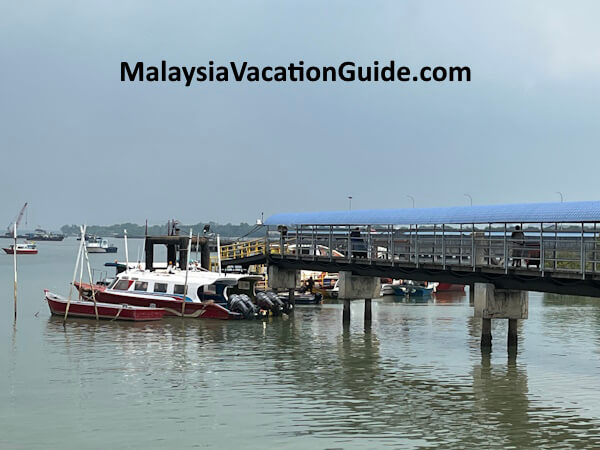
(572, 248)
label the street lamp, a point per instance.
(349, 203)
(470, 198)
(561, 196)
(413, 200)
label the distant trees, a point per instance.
(135, 230)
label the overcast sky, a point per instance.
(81, 146)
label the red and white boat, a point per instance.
(28, 248)
(85, 308)
(207, 292)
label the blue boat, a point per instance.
(413, 290)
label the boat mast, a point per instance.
(126, 249)
(15, 261)
(219, 252)
(187, 268)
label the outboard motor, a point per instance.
(264, 302)
(286, 307)
(236, 304)
(249, 304)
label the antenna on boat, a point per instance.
(187, 268)
(81, 244)
(15, 264)
(126, 249)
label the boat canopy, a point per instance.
(563, 212)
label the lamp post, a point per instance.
(349, 203)
(413, 200)
(561, 195)
(470, 198)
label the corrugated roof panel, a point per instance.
(515, 213)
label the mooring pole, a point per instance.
(292, 297)
(79, 258)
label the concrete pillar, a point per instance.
(512, 340)
(368, 314)
(346, 314)
(486, 333)
(491, 303)
(354, 287)
(283, 278)
(471, 294)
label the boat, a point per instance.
(302, 298)
(28, 248)
(43, 235)
(99, 245)
(87, 309)
(450, 287)
(210, 295)
(413, 289)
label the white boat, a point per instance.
(28, 248)
(99, 245)
(211, 295)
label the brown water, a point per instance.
(415, 378)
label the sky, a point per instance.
(83, 147)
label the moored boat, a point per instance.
(99, 245)
(29, 248)
(87, 309)
(207, 292)
(413, 289)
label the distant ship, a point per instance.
(43, 235)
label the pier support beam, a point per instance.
(368, 314)
(491, 303)
(512, 339)
(292, 297)
(283, 278)
(471, 294)
(346, 314)
(486, 333)
(354, 287)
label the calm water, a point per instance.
(416, 378)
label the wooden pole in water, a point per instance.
(87, 259)
(197, 246)
(81, 244)
(15, 265)
(187, 268)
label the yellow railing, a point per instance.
(244, 249)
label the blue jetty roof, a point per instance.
(516, 213)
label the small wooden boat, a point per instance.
(85, 308)
(28, 248)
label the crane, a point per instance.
(18, 220)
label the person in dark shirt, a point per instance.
(518, 242)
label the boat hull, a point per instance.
(86, 309)
(172, 306)
(450, 287)
(10, 251)
(413, 291)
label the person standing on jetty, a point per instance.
(518, 241)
